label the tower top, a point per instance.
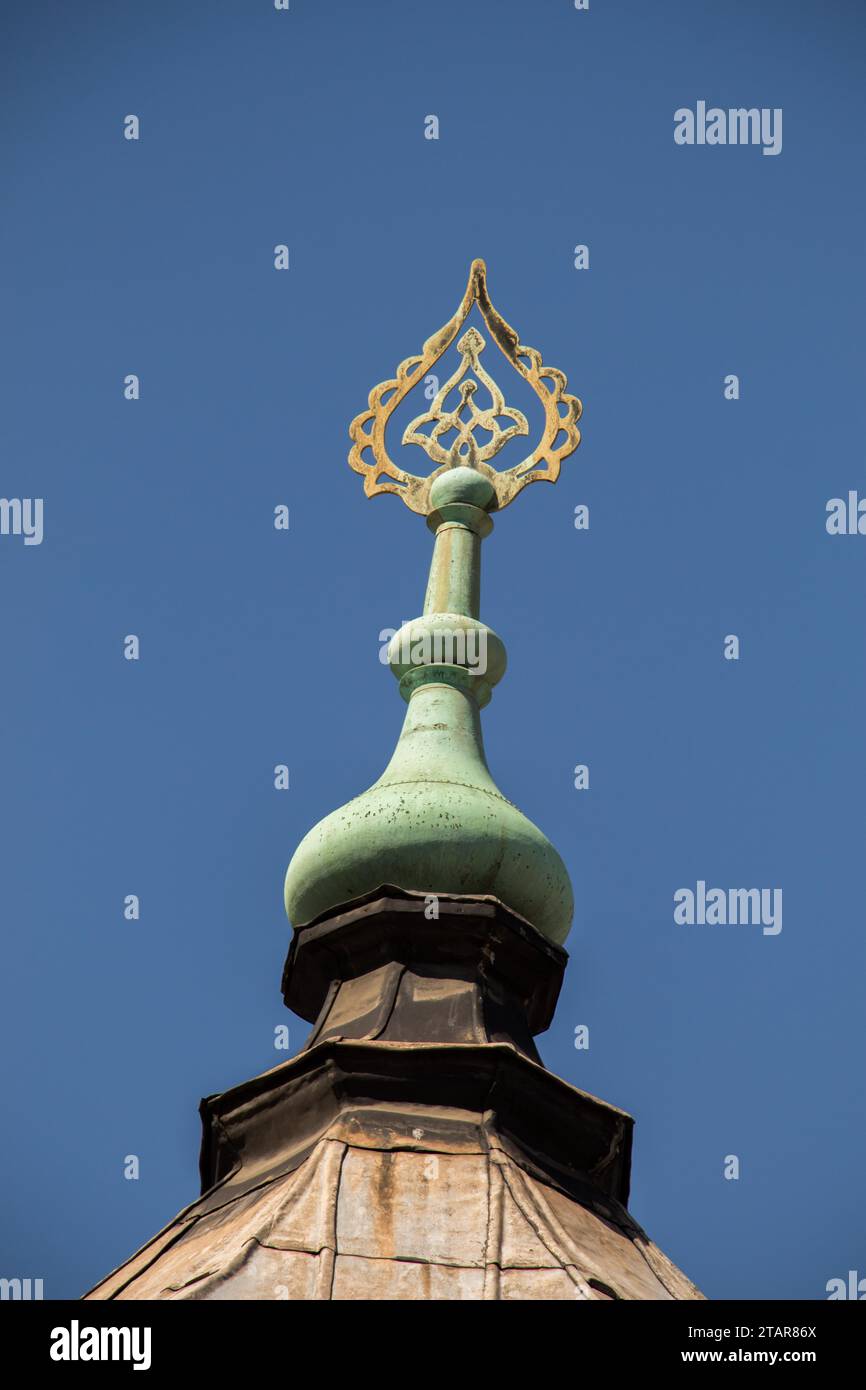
(435, 822)
(429, 914)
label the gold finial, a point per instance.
(560, 437)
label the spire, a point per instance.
(416, 1147)
(435, 821)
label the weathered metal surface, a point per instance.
(375, 1168)
(409, 1222)
(413, 1206)
(267, 1125)
(372, 1168)
(369, 454)
(371, 939)
(435, 822)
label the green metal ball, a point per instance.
(464, 485)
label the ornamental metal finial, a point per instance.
(435, 821)
(560, 436)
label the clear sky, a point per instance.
(258, 647)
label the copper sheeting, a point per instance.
(442, 1218)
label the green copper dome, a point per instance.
(435, 821)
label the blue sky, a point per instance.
(260, 647)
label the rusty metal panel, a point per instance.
(275, 1275)
(306, 1218)
(422, 1129)
(354, 1222)
(413, 1206)
(397, 1199)
(357, 1278)
(606, 1250)
(520, 1245)
(542, 1284)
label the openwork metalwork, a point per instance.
(466, 417)
(456, 437)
